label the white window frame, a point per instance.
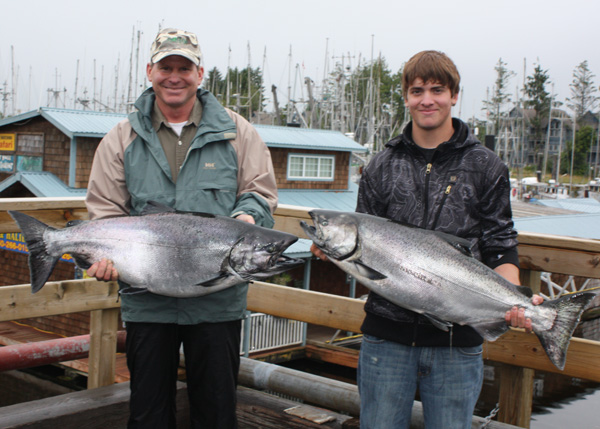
(304, 157)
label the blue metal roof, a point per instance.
(306, 138)
(42, 184)
(300, 249)
(82, 123)
(73, 123)
(320, 199)
(583, 205)
(578, 225)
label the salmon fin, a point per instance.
(81, 262)
(154, 207)
(491, 331)
(438, 323)
(525, 290)
(214, 281)
(133, 291)
(368, 272)
(41, 263)
(555, 340)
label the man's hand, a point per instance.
(103, 271)
(318, 252)
(246, 218)
(516, 316)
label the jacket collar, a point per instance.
(215, 121)
(461, 138)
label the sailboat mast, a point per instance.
(76, 83)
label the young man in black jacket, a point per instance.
(436, 175)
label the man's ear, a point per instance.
(200, 75)
(148, 69)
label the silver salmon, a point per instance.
(434, 274)
(167, 253)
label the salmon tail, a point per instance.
(41, 263)
(556, 340)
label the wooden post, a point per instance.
(516, 383)
(103, 346)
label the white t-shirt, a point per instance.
(177, 127)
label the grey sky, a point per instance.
(50, 36)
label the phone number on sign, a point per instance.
(16, 246)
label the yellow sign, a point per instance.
(7, 142)
(16, 243)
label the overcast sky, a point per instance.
(49, 37)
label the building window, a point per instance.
(310, 167)
(29, 163)
(30, 144)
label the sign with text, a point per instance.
(15, 242)
(7, 142)
(7, 163)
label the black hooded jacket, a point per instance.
(461, 188)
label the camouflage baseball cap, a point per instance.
(171, 41)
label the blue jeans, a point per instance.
(448, 378)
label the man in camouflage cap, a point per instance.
(183, 149)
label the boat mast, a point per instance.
(547, 145)
(76, 82)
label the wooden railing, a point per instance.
(522, 352)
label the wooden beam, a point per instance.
(52, 211)
(564, 261)
(70, 296)
(307, 306)
(103, 343)
(516, 396)
(520, 349)
(516, 383)
(287, 218)
(332, 354)
(41, 203)
(91, 409)
(559, 241)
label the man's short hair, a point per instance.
(431, 66)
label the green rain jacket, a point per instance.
(227, 171)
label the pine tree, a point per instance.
(500, 94)
(538, 99)
(583, 90)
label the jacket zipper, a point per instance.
(426, 195)
(444, 197)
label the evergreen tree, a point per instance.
(500, 94)
(213, 82)
(243, 98)
(583, 91)
(375, 94)
(537, 99)
(583, 137)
